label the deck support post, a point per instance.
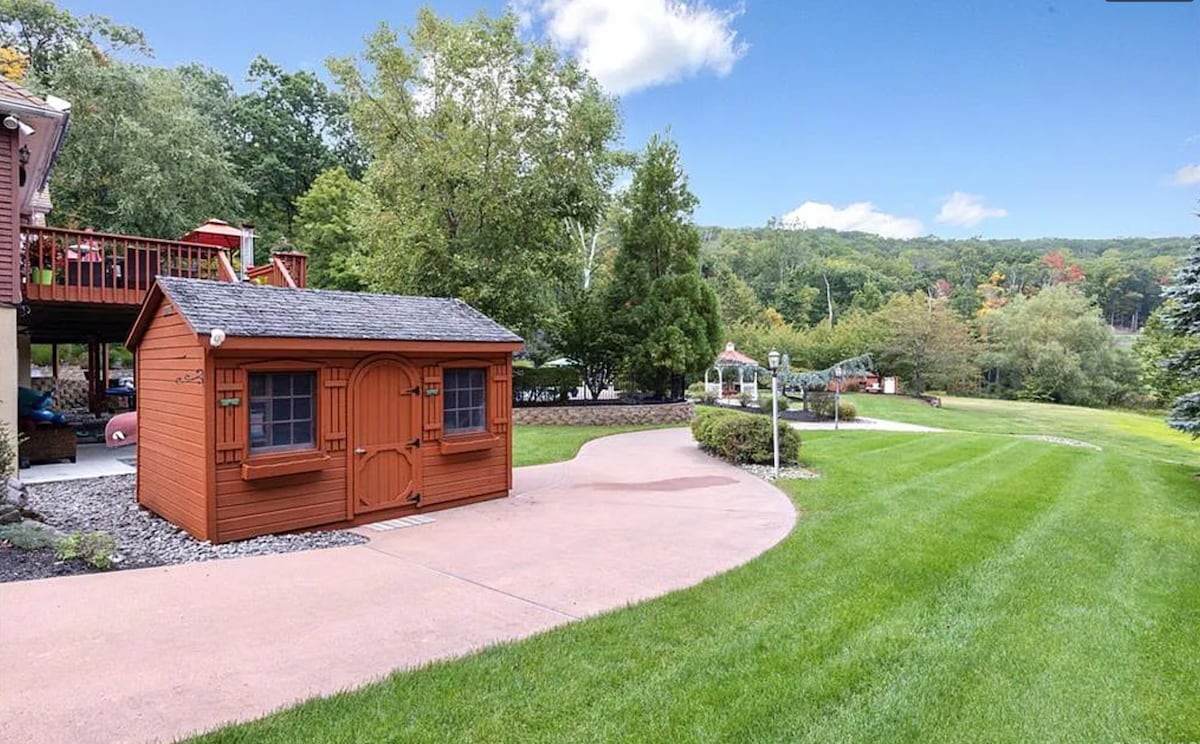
(93, 375)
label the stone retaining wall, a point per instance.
(606, 415)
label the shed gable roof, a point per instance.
(255, 311)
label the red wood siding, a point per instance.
(172, 456)
(245, 508)
(10, 240)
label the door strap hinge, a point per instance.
(415, 498)
(415, 443)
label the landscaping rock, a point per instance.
(791, 472)
(145, 539)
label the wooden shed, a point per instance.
(266, 409)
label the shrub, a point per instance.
(744, 399)
(8, 453)
(698, 391)
(822, 405)
(97, 549)
(28, 535)
(544, 384)
(703, 420)
(784, 403)
(745, 439)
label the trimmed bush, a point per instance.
(744, 399)
(822, 405)
(742, 439)
(784, 403)
(544, 384)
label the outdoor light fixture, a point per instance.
(11, 122)
(773, 363)
(216, 337)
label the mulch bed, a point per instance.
(21, 565)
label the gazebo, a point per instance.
(736, 373)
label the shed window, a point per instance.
(281, 411)
(465, 402)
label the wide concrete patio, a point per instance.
(156, 654)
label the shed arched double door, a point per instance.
(385, 459)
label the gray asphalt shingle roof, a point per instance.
(251, 310)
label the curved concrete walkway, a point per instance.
(158, 653)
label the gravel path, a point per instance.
(145, 539)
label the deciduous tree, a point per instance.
(142, 158)
(925, 342)
(484, 149)
(327, 229)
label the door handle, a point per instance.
(360, 450)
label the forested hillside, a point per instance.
(800, 273)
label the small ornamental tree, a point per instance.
(1183, 317)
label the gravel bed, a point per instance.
(145, 539)
(788, 472)
(1062, 440)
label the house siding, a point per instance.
(172, 427)
(321, 498)
(10, 222)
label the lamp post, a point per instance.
(773, 363)
(837, 396)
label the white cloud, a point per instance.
(1188, 175)
(967, 210)
(632, 44)
(859, 216)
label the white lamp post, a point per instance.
(773, 363)
(837, 396)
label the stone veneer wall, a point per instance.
(605, 415)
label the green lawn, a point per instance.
(939, 587)
(538, 445)
(1141, 433)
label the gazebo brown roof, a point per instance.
(215, 232)
(731, 357)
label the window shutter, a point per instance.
(431, 405)
(500, 397)
(231, 419)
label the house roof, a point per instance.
(731, 357)
(12, 93)
(247, 310)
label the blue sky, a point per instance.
(1073, 118)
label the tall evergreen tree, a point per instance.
(1183, 317)
(667, 314)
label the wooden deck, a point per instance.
(90, 268)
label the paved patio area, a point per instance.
(91, 461)
(159, 653)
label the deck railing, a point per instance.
(90, 267)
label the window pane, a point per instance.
(281, 410)
(302, 383)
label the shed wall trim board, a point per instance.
(377, 416)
